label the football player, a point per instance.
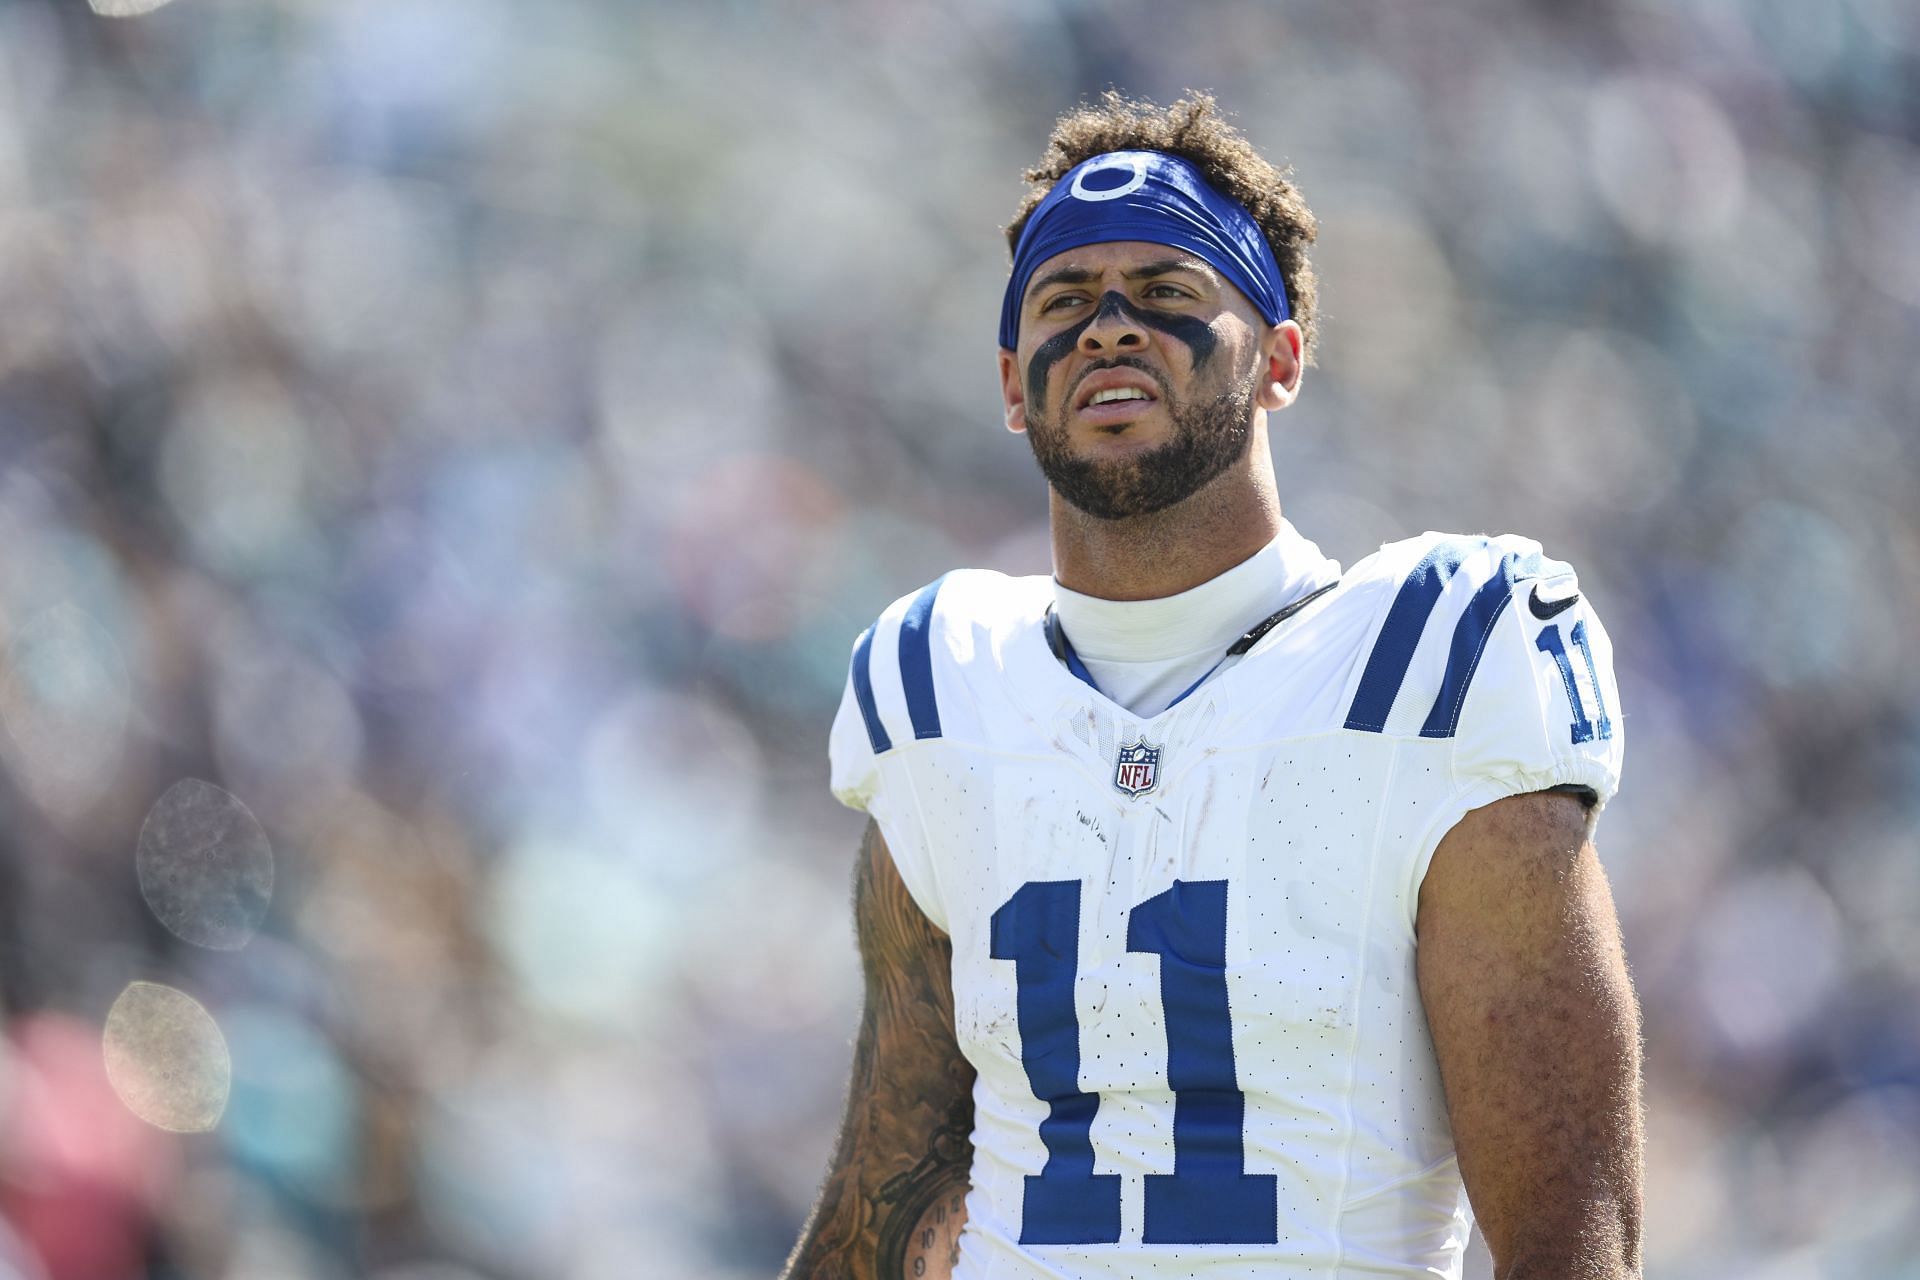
(1223, 912)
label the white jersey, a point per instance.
(1183, 946)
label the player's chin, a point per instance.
(1144, 430)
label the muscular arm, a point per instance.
(1537, 1033)
(904, 1149)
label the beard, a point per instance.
(1208, 437)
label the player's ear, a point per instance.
(1012, 394)
(1281, 365)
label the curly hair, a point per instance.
(1192, 129)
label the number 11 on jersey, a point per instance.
(1584, 729)
(1209, 1198)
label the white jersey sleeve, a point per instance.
(1543, 710)
(888, 705)
(1490, 649)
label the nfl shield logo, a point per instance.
(1137, 771)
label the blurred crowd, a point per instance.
(447, 448)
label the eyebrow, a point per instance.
(1084, 275)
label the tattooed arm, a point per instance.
(895, 1189)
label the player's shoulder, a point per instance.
(1433, 602)
(936, 637)
(1432, 561)
(1417, 579)
(963, 600)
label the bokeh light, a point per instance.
(292, 1113)
(125, 8)
(204, 865)
(166, 1058)
(64, 707)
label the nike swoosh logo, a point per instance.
(1544, 609)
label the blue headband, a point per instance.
(1150, 196)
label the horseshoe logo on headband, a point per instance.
(1137, 163)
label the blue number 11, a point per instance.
(1584, 730)
(1209, 1198)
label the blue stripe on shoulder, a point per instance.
(916, 663)
(863, 692)
(1470, 641)
(1400, 634)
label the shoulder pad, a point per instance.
(1450, 590)
(898, 649)
(919, 645)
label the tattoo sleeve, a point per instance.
(893, 1202)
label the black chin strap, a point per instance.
(1273, 620)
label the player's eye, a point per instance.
(1165, 292)
(1060, 301)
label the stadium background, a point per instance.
(469, 435)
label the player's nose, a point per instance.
(1114, 327)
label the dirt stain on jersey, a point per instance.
(1091, 824)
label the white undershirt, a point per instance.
(1145, 653)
